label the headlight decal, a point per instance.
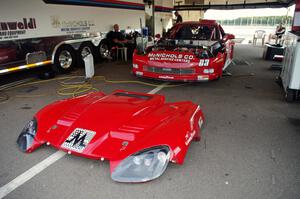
(142, 166)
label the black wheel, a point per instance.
(64, 60)
(84, 50)
(104, 50)
(290, 95)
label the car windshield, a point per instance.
(192, 32)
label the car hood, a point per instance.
(184, 55)
(116, 125)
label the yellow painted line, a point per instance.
(27, 66)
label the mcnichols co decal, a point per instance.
(186, 58)
(71, 26)
(13, 29)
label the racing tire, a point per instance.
(290, 95)
(85, 49)
(103, 50)
(64, 59)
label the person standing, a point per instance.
(280, 30)
(178, 17)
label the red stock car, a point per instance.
(138, 133)
(190, 51)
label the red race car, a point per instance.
(190, 51)
(138, 133)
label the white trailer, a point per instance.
(61, 32)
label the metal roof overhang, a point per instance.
(231, 4)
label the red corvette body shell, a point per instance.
(137, 119)
(182, 64)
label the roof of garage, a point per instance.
(230, 4)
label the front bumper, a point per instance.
(198, 77)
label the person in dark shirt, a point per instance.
(118, 39)
(178, 17)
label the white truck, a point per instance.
(34, 33)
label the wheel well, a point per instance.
(58, 46)
(104, 41)
(90, 44)
(69, 60)
(87, 43)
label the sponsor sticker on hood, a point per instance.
(172, 57)
(78, 140)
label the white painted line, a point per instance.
(233, 63)
(247, 63)
(36, 169)
(30, 173)
(158, 88)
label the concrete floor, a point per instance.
(249, 148)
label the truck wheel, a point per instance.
(64, 60)
(104, 50)
(84, 50)
(290, 95)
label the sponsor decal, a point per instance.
(78, 140)
(12, 29)
(185, 58)
(202, 77)
(177, 150)
(189, 137)
(124, 145)
(71, 26)
(165, 77)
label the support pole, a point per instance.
(153, 18)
